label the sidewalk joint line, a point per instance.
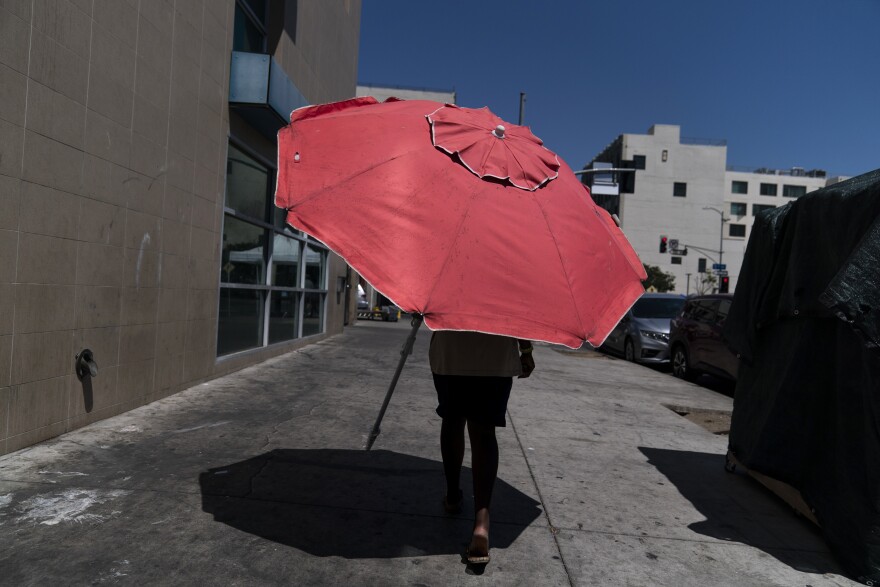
(554, 531)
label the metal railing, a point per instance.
(704, 142)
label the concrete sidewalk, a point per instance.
(258, 478)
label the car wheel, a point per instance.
(629, 351)
(681, 367)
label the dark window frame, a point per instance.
(736, 184)
(766, 189)
(758, 208)
(730, 228)
(679, 189)
(788, 188)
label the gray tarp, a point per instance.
(806, 322)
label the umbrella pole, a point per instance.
(404, 353)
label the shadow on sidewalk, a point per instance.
(354, 503)
(739, 509)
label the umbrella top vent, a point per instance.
(469, 134)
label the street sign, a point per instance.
(673, 244)
(719, 266)
(721, 273)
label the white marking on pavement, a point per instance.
(68, 506)
(213, 425)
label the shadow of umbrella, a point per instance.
(354, 504)
(739, 509)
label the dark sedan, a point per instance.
(695, 339)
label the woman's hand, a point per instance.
(528, 364)
(525, 358)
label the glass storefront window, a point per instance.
(285, 261)
(262, 305)
(247, 184)
(313, 313)
(241, 320)
(283, 313)
(316, 262)
(243, 259)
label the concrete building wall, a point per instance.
(741, 208)
(653, 210)
(114, 128)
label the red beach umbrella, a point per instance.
(458, 217)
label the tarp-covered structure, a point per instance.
(805, 321)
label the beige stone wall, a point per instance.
(113, 131)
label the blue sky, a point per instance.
(786, 82)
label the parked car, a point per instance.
(695, 339)
(643, 332)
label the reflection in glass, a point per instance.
(313, 313)
(316, 260)
(285, 261)
(240, 325)
(279, 216)
(243, 255)
(246, 36)
(247, 183)
(283, 312)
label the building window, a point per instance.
(793, 191)
(679, 189)
(249, 29)
(675, 260)
(739, 187)
(768, 189)
(273, 279)
(639, 161)
(738, 209)
(737, 230)
(758, 208)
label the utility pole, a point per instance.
(522, 108)
(687, 292)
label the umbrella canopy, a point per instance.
(458, 216)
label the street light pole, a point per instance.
(721, 237)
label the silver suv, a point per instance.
(642, 335)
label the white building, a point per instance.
(683, 190)
(381, 93)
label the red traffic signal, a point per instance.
(663, 243)
(724, 286)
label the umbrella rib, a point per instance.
(318, 192)
(562, 263)
(440, 273)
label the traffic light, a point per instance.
(663, 243)
(724, 286)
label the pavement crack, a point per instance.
(254, 477)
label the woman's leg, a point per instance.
(484, 454)
(452, 451)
